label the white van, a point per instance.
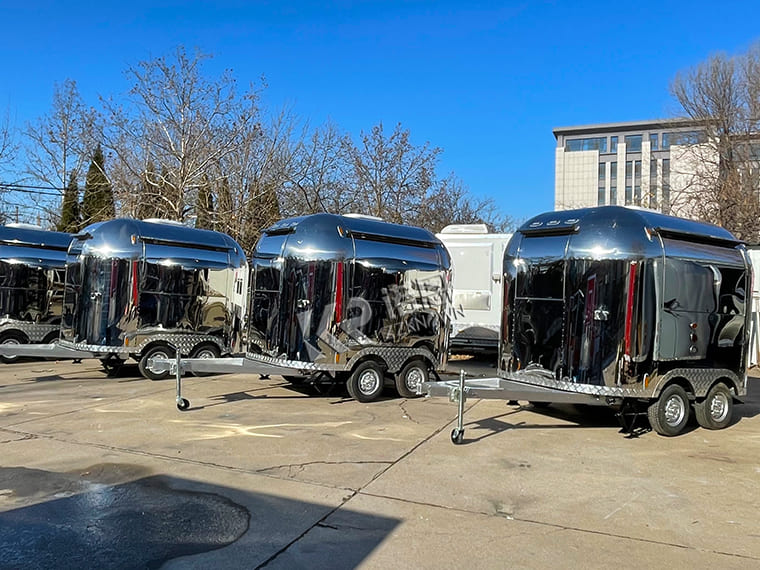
(476, 261)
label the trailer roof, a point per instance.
(357, 225)
(12, 235)
(119, 231)
(571, 221)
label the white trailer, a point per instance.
(476, 259)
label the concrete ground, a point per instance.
(327, 482)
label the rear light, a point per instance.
(134, 283)
(339, 292)
(629, 307)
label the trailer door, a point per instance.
(539, 302)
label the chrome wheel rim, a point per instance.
(369, 381)
(719, 407)
(675, 411)
(414, 379)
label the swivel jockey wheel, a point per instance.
(183, 404)
(457, 436)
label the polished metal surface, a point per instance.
(131, 282)
(31, 282)
(327, 287)
(615, 299)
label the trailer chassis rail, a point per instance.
(458, 391)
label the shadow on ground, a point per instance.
(120, 516)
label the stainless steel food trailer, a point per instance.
(32, 262)
(623, 307)
(147, 289)
(343, 299)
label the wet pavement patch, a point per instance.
(109, 516)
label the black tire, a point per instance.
(409, 380)
(716, 410)
(12, 338)
(183, 405)
(205, 351)
(155, 351)
(669, 414)
(457, 436)
(51, 338)
(365, 383)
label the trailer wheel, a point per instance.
(409, 380)
(716, 410)
(457, 436)
(183, 405)
(669, 413)
(366, 381)
(155, 351)
(205, 351)
(10, 338)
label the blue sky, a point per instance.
(485, 81)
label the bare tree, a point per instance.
(719, 180)
(8, 142)
(8, 151)
(449, 202)
(321, 174)
(59, 144)
(174, 131)
(390, 174)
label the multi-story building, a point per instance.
(641, 163)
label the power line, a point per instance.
(29, 189)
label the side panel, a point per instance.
(704, 304)
(182, 289)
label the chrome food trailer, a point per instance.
(344, 299)
(623, 307)
(149, 289)
(32, 262)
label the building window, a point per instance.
(637, 182)
(682, 138)
(666, 185)
(599, 144)
(600, 196)
(628, 194)
(653, 183)
(633, 143)
(601, 189)
(653, 140)
(613, 194)
(613, 144)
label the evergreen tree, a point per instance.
(97, 203)
(70, 221)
